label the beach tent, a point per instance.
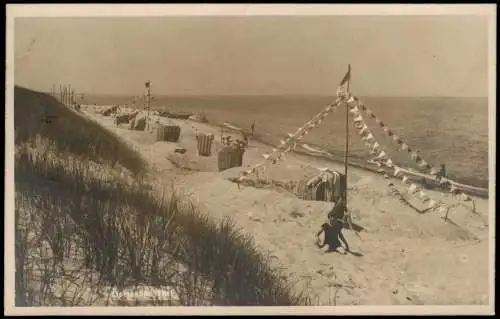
(325, 186)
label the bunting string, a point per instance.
(382, 158)
(413, 155)
(289, 143)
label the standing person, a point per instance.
(442, 174)
(245, 138)
(253, 127)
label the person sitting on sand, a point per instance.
(333, 229)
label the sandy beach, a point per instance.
(400, 258)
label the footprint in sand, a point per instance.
(296, 214)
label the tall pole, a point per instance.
(346, 139)
(70, 95)
(64, 95)
(148, 101)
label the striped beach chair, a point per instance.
(238, 150)
(204, 144)
(169, 133)
(229, 157)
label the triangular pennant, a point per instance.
(354, 110)
(266, 156)
(397, 170)
(434, 171)
(412, 189)
(381, 155)
(422, 163)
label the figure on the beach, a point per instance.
(245, 137)
(253, 127)
(333, 229)
(442, 172)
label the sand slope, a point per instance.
(402, 257)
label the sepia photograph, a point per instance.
(250, 159)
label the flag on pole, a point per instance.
(342, 89)
(347, 76)
(148, 84)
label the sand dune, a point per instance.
(401, 257)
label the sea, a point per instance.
(443, 130)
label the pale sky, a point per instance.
(390, 55)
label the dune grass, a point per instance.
(84, 229)
(70, 132)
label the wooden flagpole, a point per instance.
(346, 138)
